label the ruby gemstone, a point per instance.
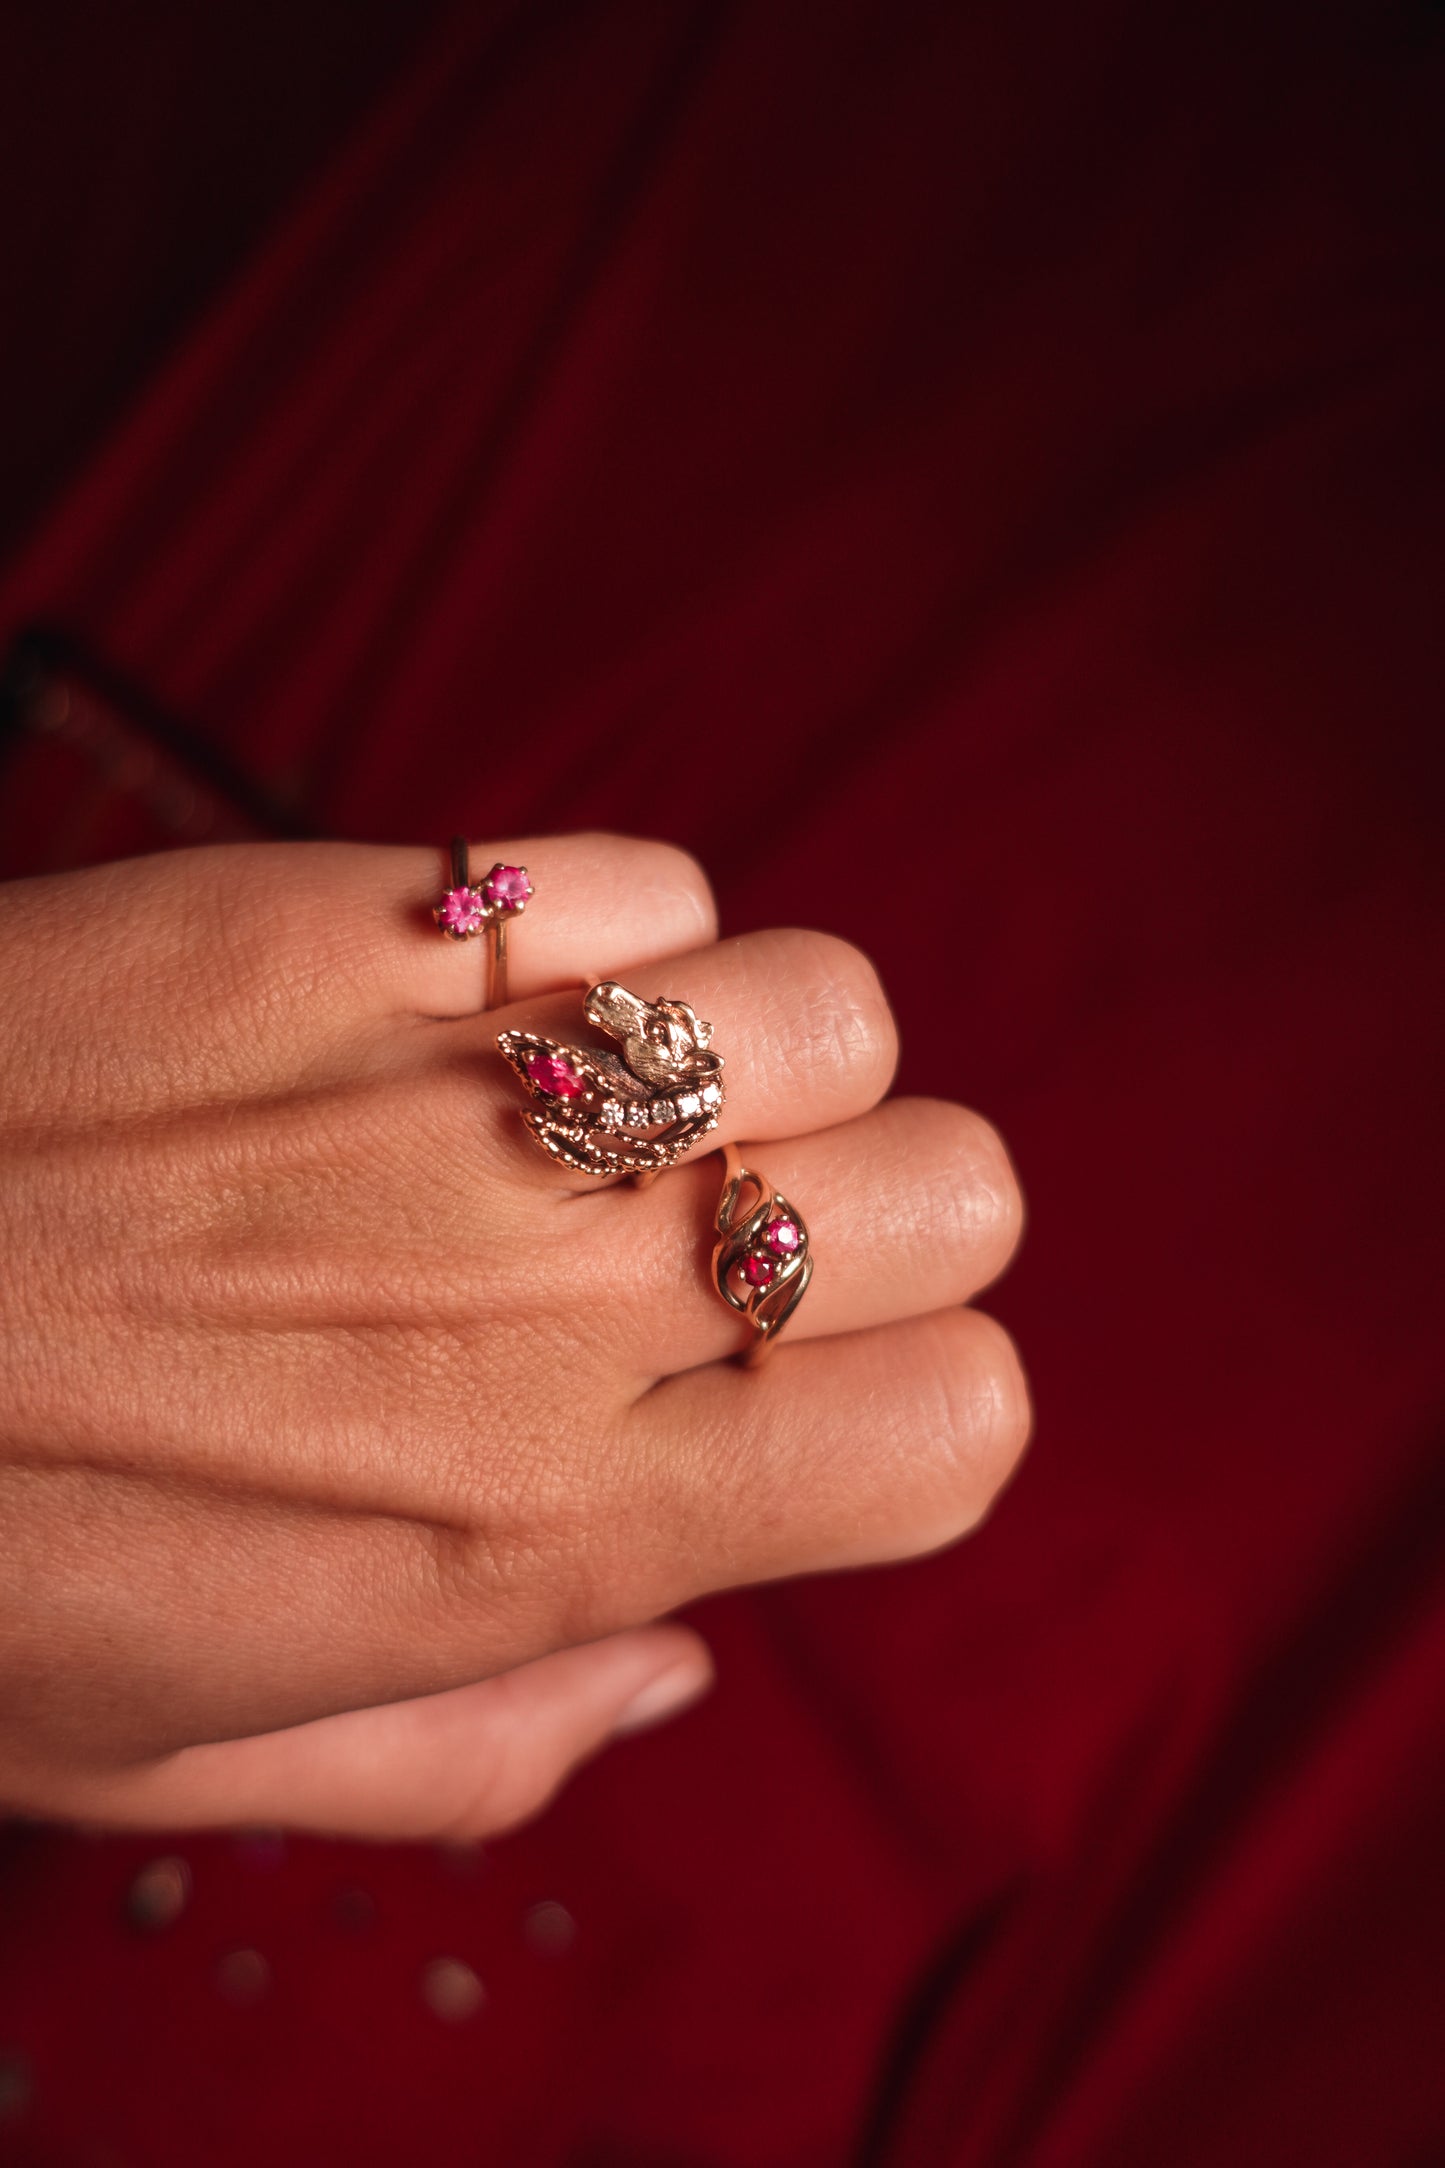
(757, 1271)
(551, 1074)
(460, 911)
(782, 1237)
(507, 888)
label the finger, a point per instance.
(226, 1618)
(601, 903)
(459, 1765)
(848, 1452)
(800, 1022)
(217, 1611)
(910, 1208)
(215, 971)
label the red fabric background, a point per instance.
(996, 457)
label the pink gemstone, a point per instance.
(551, 1074)
(460, 911)
(757, 1271)
(507, 888)
(782, 1237)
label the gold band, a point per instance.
(762, 1263)
(633, 1112)
(465, 911)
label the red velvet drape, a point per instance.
(995, 455)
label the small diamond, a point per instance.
(461, 912)
(507, 888)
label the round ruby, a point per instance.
(551, 1074)
(460, 911)
(783, 1237)
(757, 1271)
(507, 888)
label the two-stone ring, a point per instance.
(465, 911)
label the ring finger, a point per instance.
(910, 1208)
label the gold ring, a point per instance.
(465, 911)
(630, 1113)
(762, 1263)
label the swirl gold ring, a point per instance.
(633, 1113)
(763, 1262)
(466, 911)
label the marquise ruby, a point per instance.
(551, 1074)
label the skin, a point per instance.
(352, 1449)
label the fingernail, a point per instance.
(667, 1695)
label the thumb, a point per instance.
(463, 1764)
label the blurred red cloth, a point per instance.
(974, 476)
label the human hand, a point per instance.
(348, 1447)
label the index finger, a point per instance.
(236, 966)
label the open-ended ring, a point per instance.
(762, 1263)
(465, 911)
(633, 1113)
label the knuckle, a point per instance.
(831, 1014)
(970, 1199)
(997, 1402)
(666, 886)
(981, 1415)
(681, 887)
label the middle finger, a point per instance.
(800, 1020)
